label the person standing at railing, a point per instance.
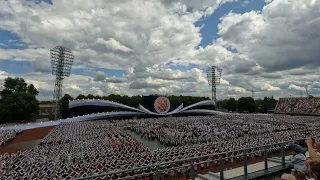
(315, 169)
(313, 148)
(295, 175)
(297, 160)
(298, 147)
(314, 173)
(314, 163)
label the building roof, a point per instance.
(47, 105)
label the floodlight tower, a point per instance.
(61, 62)
(214, 75)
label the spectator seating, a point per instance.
(299, 105)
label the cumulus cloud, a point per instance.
(114, 79)
(295, 87)
(273, 51)
(113, 45)
(41, 65)
(315, 85)
(148, 83)
(102, 77)
(284, 35)
(99, 76)
(104, 33)
(3, 73)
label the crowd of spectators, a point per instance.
(78, 149)
(9, 124)
(299, 105)
(7, 135)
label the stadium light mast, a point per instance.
(306, 87)
(213, 76)
(61, 63)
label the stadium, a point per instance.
(159, 90)
(133, 143)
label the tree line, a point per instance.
(248, 104)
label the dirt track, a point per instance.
(23, 137)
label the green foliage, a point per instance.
(223, 104)
(90, 96)
(47, 102)
(32, 90)
(185, 100)
(18, 102)
(12, 85)
(81, 96)
(228, 104)
(65, 105)
(265, 104)
(19, 106)
(247, 104)
(232, 104)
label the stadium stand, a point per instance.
(79, 149)
(299, 105)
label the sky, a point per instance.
(141, 47)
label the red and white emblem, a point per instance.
(162, 105)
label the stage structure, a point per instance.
(98, 109)
(61, 62)
(214, 76)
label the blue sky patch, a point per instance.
(183, 68)
(210, 30)
(8, 40)
(91, 71)
(16, 67)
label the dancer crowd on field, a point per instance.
(80, 149)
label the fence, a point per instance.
(158, 169)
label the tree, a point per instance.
(18, 101)
(90, 96)
(223, 104)
(247, 104)
(19, 106)
(47, 102)
(261, 106)
(81, 96)
(269, 104)
(232, 104)
(17, 85)
(32, 90)
(65, 105)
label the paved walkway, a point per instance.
(26, 140)
(151, 144)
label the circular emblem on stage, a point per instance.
(162, 105)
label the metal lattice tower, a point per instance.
(61, 63)
(214, 75)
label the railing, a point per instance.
(156, 171)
